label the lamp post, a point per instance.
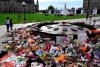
(24, 4)
(88, 8)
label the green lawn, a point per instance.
(35, 18)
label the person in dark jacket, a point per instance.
(11, 24)
(87, 16)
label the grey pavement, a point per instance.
(3, 27)
(3, 32)
(79, 20)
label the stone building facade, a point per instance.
(15, 6)
(91, 4)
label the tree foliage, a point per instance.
(50, 7)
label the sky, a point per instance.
(59, 4)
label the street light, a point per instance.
(88, 8)
(24, 4)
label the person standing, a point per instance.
(94, 24)
(87, 17)
(90, 17)
(11, 24)
(7, 22)
(19, 15)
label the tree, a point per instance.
(51, 8)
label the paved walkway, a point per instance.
(3, 27)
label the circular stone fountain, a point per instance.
(63, 28)
(54, 30)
